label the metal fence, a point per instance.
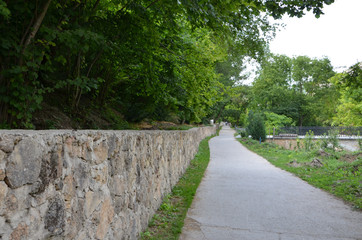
(318, 131)
(240, 129)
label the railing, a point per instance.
(240, 129)
(319, 131)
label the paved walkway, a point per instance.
(242, 196)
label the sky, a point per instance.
(337, 35)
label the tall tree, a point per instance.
(349, 108)
(145, 58)
(297, 88)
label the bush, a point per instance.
(330, 140)
(243, 134)
(256, 127)
(276, 121)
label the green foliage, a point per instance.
(147, 59)
(349, 109)
(333, 139)
(298, 144)
(337, 176)
(4, 11)
(275, 121)
(243, 134)
(256, 127)
(308, 143)
(324, 141)
(297, 88)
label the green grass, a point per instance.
(341, 173)
(169, 219)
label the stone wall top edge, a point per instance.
(89, 131)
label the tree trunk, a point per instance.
(35, 28)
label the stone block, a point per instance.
(54, 219)
(3, 193)
(7, 143)
(24, 164)
(106, 217)
(92, 201)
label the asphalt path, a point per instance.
(243, 196)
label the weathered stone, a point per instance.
(58, 184)
(54, 218)
(3, 192)
(74, 219)
(92, 201)
(11, 202)
(24, 163)
(2, 175)
(100, 150)
(51, 169)
(82, 176)
(2, 156)
(20, 232)
(99, 173)
(5, 228)
(106, 217)
(68, 190)
(7, 143)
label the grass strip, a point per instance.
(169, 219)
(339, 173)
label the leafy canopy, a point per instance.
(148, 59)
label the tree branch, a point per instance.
(151, 4)
(36, 27)
(37, 24)
(93, 62)
(95, 5)
(124, 6)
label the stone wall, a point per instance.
(88, 184)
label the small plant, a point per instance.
(333, 138)
(330, 140)
(324, 142)
(308, 141)
(359, 141)
(298, 143)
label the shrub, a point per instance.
(330, 140)
(256, 127)
(276, 121)
(243, 134)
